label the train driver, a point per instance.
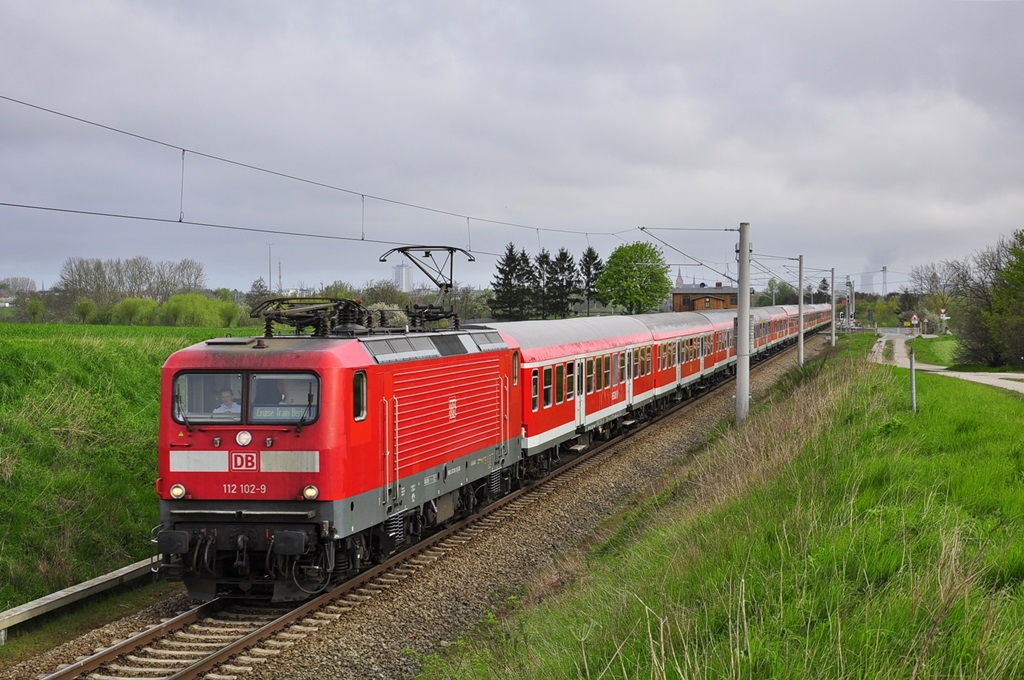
(227, 403)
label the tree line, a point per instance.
(987, 303)
(635, 278)
(982, 294)
(140, 292)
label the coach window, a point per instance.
(535, 383)
(547, 386)
(359, 395)
(515, 368)
(622, 367)
(607, 370)
(570, 381)
(559, 383)
(615, 369)
(590, 376)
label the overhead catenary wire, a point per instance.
(289, 176)
(212, 225)
(362, 195)
(669, 245)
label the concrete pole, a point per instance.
(833, 306)
(800, 316)
(853, 300)
(743, 326)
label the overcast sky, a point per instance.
(858, 134)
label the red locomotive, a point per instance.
(290, 460)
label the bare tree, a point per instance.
(138, 276)
(19, 284)
(934, 283)
(190, 276)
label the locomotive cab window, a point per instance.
(283, 397)
(207, 398)
(253, 397)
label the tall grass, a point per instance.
(836, 535)
(78, 429)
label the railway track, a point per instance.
(221, 640)
(233, 636)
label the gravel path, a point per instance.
(440, 602)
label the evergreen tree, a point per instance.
(258, 292)
(563, 284)
(511, 300)
(591, 268)
(542, 294)
(823, 288)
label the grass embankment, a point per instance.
(837, 535)
(78, 429)
(936, 351)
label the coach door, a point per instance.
(629, 377)
(678, 360)
(581, 396)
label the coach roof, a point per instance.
(540, 340)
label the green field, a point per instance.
(837, 535)
(78, 431)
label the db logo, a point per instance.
(243, 461)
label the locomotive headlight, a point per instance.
(177, 491)
(310, 493)
(243, 438)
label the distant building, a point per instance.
(403, 277)
(701, 297)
